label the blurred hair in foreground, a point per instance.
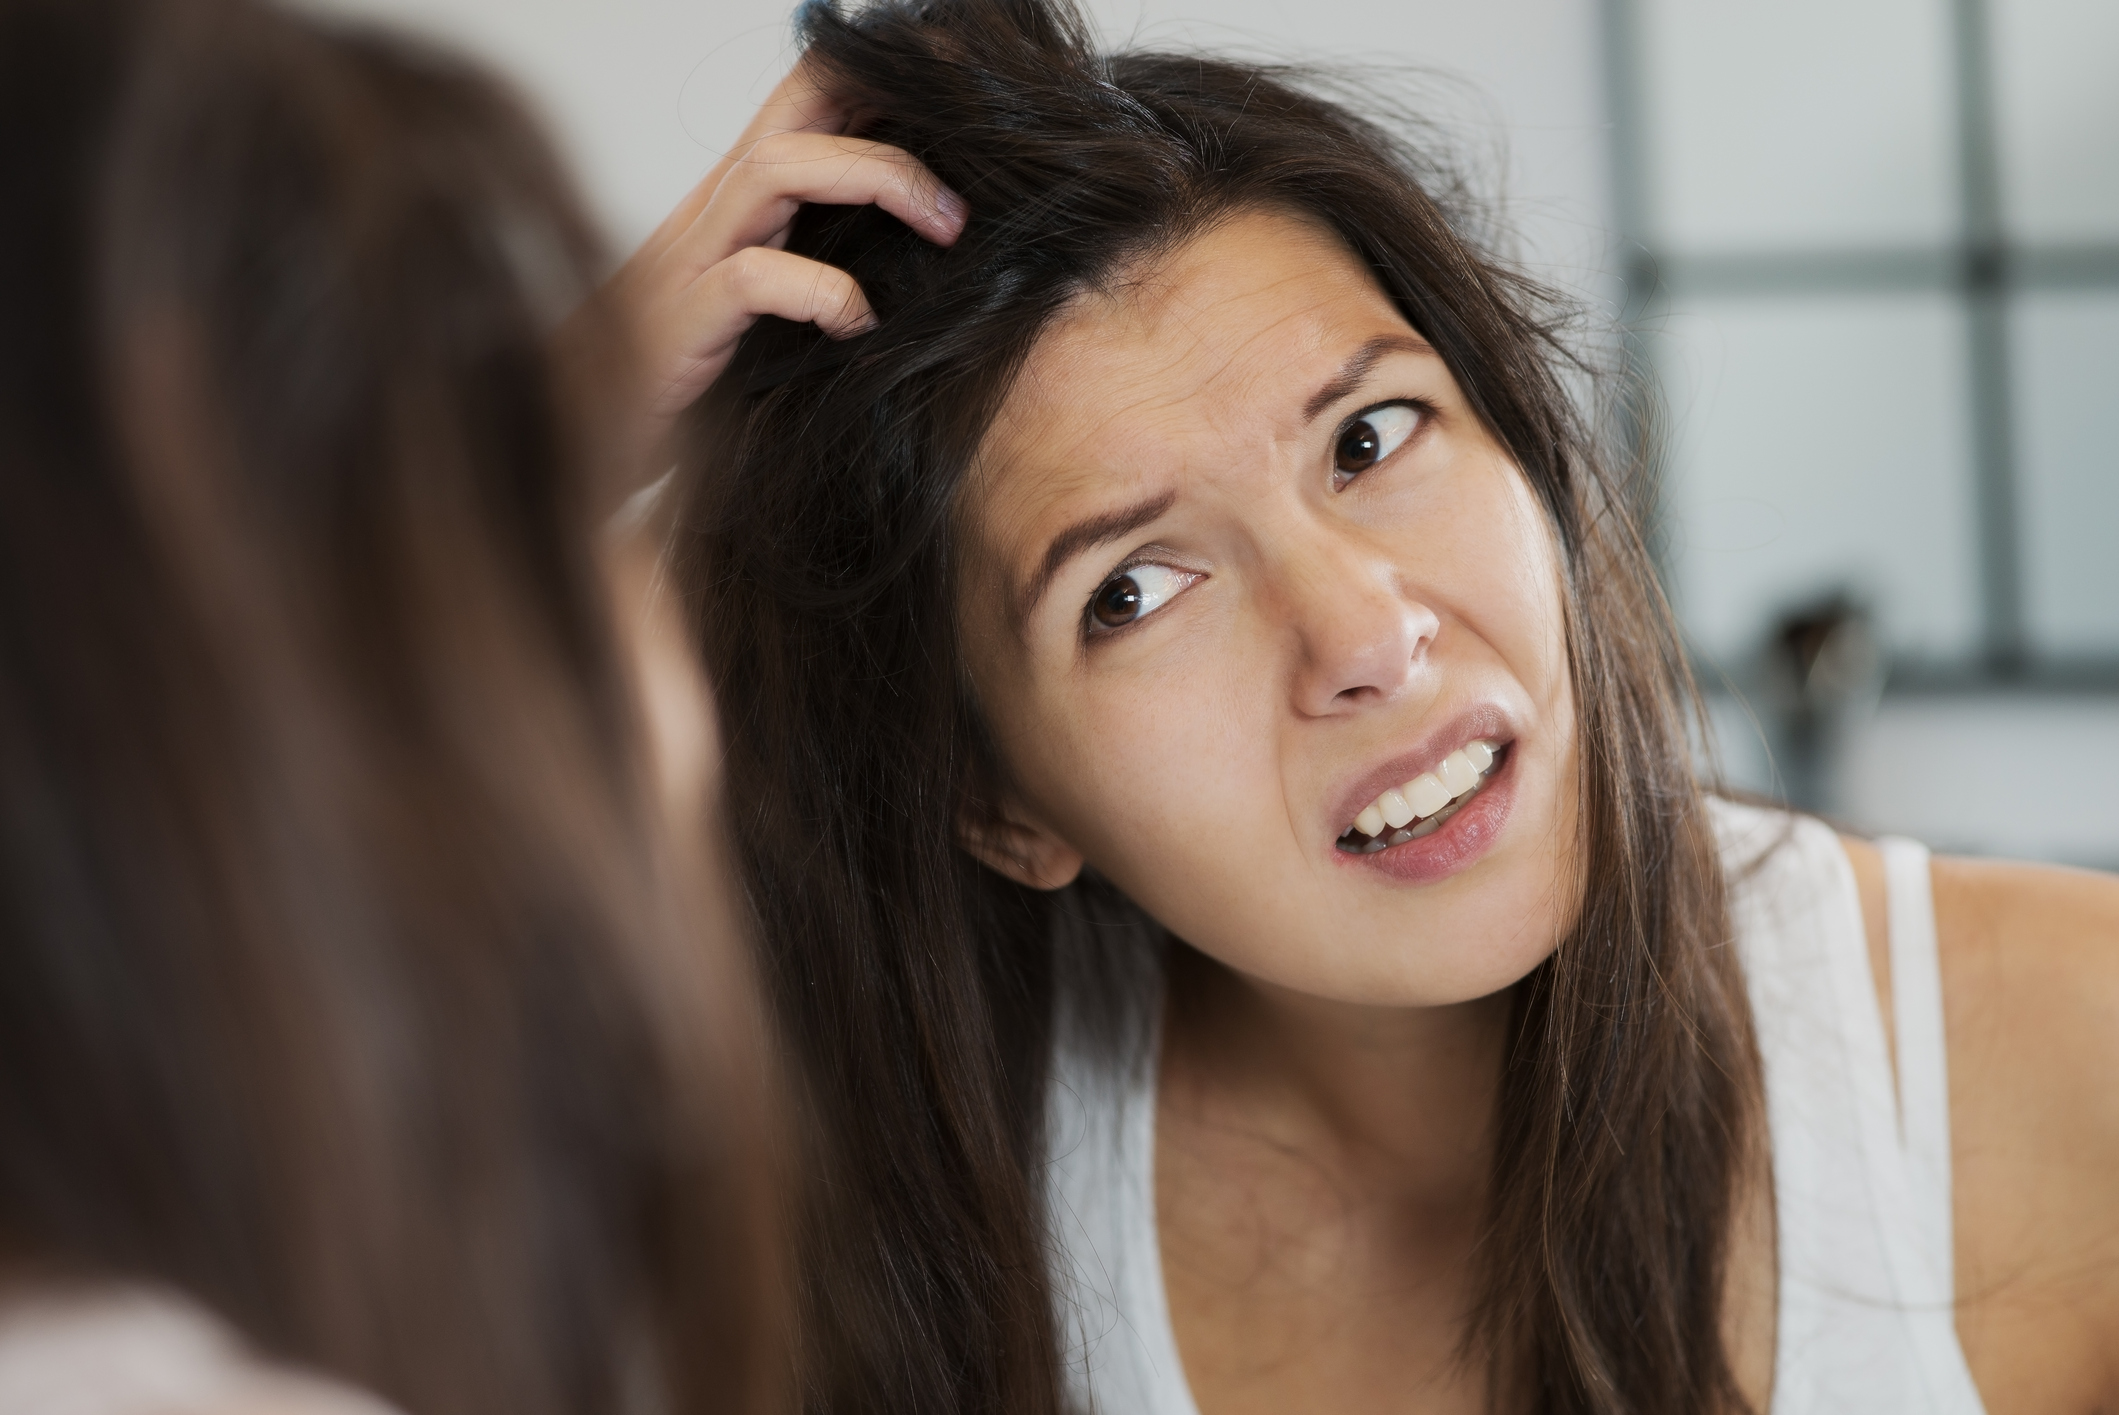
(353, 978)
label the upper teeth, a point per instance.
(1459, 775)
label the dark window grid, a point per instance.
(1983, 268)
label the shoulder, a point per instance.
(2030, 971)
(2030, 959)
(2030, 964)
(2059, 918)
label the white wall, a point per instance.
(644, 93)
(641, 94)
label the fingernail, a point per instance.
(951, 208)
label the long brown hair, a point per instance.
(350, 982)
(918, 987)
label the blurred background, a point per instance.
(1869, 250)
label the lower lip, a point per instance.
(1458, 845)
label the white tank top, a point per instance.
(1861, 1172)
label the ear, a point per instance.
(1009, 843)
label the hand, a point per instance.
(718, 261)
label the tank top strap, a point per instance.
(1867, 1318)
(1118, 1347)
(1923, 1058)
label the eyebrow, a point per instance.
(1358, 367)
(1093, 531)
(1084, 535)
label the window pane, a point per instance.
(2057, 82)
(1817, 445)
(1811, 122)
(2067, 415)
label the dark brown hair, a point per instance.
(918, 987)
(352, 983)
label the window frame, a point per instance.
(1983, 270)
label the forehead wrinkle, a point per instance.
(1229, 374)
(1111, 333)
(1054, 444)
(1184, 284)
(1307, 328)
(1095, 338)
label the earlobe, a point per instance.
(1028, 854)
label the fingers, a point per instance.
(799, 103)
(759, 280)
(718, 261)
(792, 168)
(696, 337)
(759, 197)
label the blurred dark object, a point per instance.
(1821, 674)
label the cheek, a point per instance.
(1515, 605)
(1140, 770)
(1521, 615)
(1506, 582)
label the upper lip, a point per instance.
(1484, 721)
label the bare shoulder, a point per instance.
(2030, 957)
(2030, 965)
(2045, 907)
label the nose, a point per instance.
(1361, 628)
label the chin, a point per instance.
(1442, 959)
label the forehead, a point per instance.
(1214, 347)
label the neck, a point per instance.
(1402, 1098)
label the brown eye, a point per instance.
(1357, 448)
(1374, 436)
(1117, 603)
(1132, 595)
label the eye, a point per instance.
(1135, 593)
(1374, 436)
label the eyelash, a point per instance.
(1421, 406)
(1147, 558)
(1091, 630)
(1423, 411)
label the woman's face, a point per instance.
(1245, 569)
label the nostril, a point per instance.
(1362, 644)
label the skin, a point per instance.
(1332, 1044)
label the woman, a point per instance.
(368, 1021)
(1210, 769)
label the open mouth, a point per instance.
(1421, 806)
